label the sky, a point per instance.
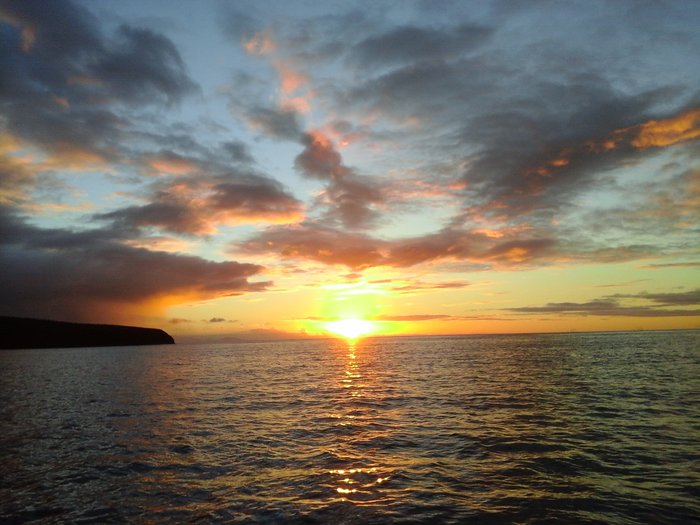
(281, 169)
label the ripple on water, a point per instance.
(581, 428)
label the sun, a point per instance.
(350, 328)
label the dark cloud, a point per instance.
(176, 216)
(219, 320)
(531, 161)
(238, 152)
(413, 43)
(63, 80)
(89, 275)
(320, 159)
(143, 66)
(674, 265)
(352, 200)
(610, 306)
(535, 123)
(689, 298)
(197, 205)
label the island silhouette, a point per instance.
(22, 332)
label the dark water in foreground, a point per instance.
(595, 428)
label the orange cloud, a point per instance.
(259, 44)
(651, 134)
(290, 80)
(294, 92)
(171, 164)
(69, 156)
(661, 133)
(61, 101)
(161, 244)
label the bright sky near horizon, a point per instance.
(276, 168)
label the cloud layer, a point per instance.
(135, 171)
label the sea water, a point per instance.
(570, 428)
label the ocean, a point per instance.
(553, 428)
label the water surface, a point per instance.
(576, 428)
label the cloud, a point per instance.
(89, 275)
(414, 43)
(667, 132)
(260, 43)
(534, 124)
(673, 265)
(610, 306)
(689, 298)
(143, 66)
(238, 152)
(510, 249)
(320, 159)
(199, 204)
(63, 89)
(417, 286)
(510, 129)
(332, 246)
(170, 163)
(414, 317)
(351, 199)
(16, 179)
(276, 123)
(317, 243)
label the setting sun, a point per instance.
(350, 328)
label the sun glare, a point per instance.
(350, 328)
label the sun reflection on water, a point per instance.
(356, 482)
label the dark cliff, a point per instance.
(18, 332)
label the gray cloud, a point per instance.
(238, 152)
(276, 123)
(413, 43)
(88, 275)
(198, 204)
(352, 199)
(63, 80)
(219, 320)
(689, 298)
(610, 306)
(531, 116)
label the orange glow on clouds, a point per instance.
(171, 166)
(259, 44)
(660, 133)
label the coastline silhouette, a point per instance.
(21, 332)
